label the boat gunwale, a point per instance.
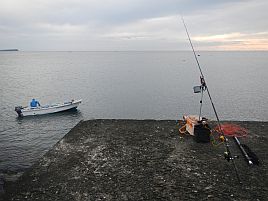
(60, 105)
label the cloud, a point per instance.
(239, 26)
(234, 41)
(150, 29)
(132, 24)
(62, 29)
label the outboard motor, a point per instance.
(18, 110)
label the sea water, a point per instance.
(120, 85)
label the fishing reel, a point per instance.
(228, 156)
(203, 83)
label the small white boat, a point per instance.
(47, 109)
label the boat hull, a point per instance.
(28, 111)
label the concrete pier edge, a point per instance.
(119, 159)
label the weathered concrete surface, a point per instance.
(142, 160)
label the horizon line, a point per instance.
(136, 51)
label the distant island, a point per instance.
(8, 50)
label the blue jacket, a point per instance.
(34, 103)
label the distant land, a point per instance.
(10, 50)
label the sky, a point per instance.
(133, 25)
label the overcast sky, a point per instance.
(116, 25)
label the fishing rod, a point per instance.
(228, 155)
(248, 159)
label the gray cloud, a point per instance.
(128, 24)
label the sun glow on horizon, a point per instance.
(234, 41)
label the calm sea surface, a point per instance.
(132, 85)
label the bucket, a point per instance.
(197, 89)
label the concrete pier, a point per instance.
(143, 160)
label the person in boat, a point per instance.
(34, 103)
